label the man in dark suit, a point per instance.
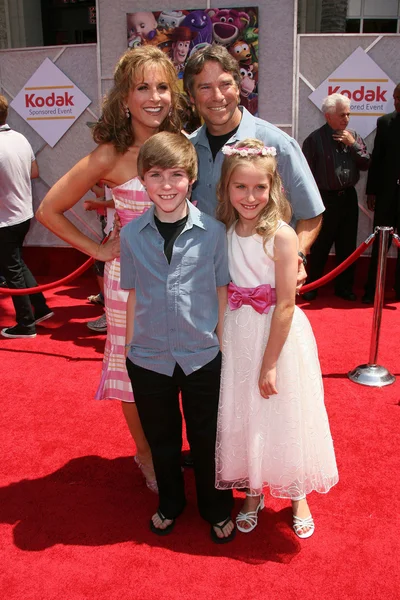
(336, 155)
(383, 188)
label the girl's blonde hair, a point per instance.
(167, 150)
(113, 126)
(277, 208)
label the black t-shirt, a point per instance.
(170, 232)
(217, 141)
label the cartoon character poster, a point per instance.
(179, 33)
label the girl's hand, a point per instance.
(97, 205)
(109, 250)
(267, 382)
(90, 205)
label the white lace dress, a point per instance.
(283, 442)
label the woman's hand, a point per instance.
(117, 223)
(267, 382)
(109, 250)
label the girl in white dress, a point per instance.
(273, 428)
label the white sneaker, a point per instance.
(99, 325)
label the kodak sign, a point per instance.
(369, 95)
(50, 102)
(36, 101)
(367, 86)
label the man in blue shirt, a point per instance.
(212, 80)
(174, 264)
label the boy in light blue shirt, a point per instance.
(174, 264)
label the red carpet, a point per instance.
(74, 509)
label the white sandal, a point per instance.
(250, 517)
(299, 524)
(150, 482)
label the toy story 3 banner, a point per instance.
(179, 33)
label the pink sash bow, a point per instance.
(260, 298)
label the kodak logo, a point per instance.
(34, 101)
(373, 95)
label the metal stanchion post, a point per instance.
(373, 374)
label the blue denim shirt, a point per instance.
(298, 181)
(176, 310)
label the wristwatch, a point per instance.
(303, 258)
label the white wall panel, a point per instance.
(79, 63)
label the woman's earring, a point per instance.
(127, 112)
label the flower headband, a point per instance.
(244, 151)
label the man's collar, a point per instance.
(328, 127)
(195, 217)
(5, 127)
(247, 124)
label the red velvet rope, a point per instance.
(306, 288)
(396, 240)
(340, 268)
(48, 286)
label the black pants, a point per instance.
(386, 214)
(157, 401)
(17, 274)
(339, 227)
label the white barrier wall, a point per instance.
(79, 63)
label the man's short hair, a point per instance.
(215, 53)
(330, 103)
(3, 109)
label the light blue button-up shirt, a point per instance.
(298, 181)
(176, 311)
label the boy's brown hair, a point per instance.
(168, 151)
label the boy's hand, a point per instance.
(267, 382)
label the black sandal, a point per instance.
(159, 531)
(223, 540)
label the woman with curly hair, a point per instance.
(142, 102)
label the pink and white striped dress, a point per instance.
(131, 201)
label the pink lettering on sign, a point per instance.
(371, 95)
(34, 101)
